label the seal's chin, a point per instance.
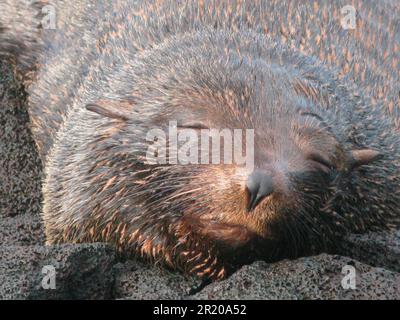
(226, 234)
(238, 228)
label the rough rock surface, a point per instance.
(137, 280)
(20, 168)
(375, 249)
(81, 271)
(91, 271)
(318, 277)
(21, 230)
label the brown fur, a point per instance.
(112, 71)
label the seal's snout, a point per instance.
(259, 185)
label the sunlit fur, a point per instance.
(194, 217)
(286, 69)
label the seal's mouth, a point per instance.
(229, 235)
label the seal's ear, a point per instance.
(120, 110)
(361, 157)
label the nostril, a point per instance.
(259, 185)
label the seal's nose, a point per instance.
(259, 185)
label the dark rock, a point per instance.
(316, 277)
(21, 230)
(82, 271)
(137, 280)
(20, 166)
(376, 249)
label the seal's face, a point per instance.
(299, 162)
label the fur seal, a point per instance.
(327, 141)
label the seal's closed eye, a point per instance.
(323, 162)
(195, 125)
